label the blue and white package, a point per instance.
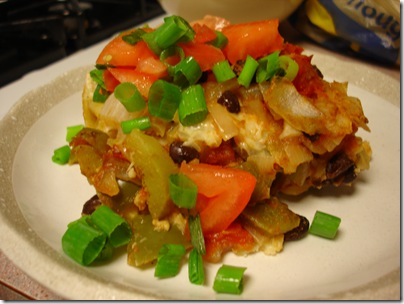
(366, 27)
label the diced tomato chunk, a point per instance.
(119, 53)
(308, 80)
(223, 193)
(110, 81)
(203, 33)
(142, 81)
(205, 54)
(152, 66)
(256, 39)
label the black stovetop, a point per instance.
(35, 33)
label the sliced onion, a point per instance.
(223, 119)
(282, 98)
(269, 245)
(289, 131)
(112, 113)
(91, 109)
(297, 154)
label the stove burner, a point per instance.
(36, 33)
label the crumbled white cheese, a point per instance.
(161, 225)
(203, 132)
(253, 136)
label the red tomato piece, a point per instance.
(122, 54)
(223, 193)
(256, 39)
(308, 80)
(110, 81)
(234, 238)
(205, 54)
(203, 33)
(152, 66)
(142, 81)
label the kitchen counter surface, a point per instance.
(16, 285)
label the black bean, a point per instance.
(349, 175)
(298, 232)
(90, 206)
(180, 153)
(338, 165)
(230, 100)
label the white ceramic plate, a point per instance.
(40, 198)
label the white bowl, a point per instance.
(236, 11)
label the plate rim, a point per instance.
(44, 251)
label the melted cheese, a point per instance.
(253, 136)
(203, 133)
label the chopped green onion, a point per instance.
(170, 31)
(61, 155)
(141, 123)
(248, 71)
(192, 108)
(220, 41)
(187, 72)
(229, 279)
(112, 224)
(169, 260)
(102, 66)
(94, 236)
(106, 253)
(324, 225)
(189, 32)
(183, 191)
(164, 99)
(268, 66)
(172, 52)
(98, 76)
(150, 39)
(134, 36)
(196, 272)
(128, 94)
(72, 132)
(195, 229)
(261, 74)
(100, 94)
(83, 242)
(223, 71)
(168, 34)
(290, 67)
(173, 30)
